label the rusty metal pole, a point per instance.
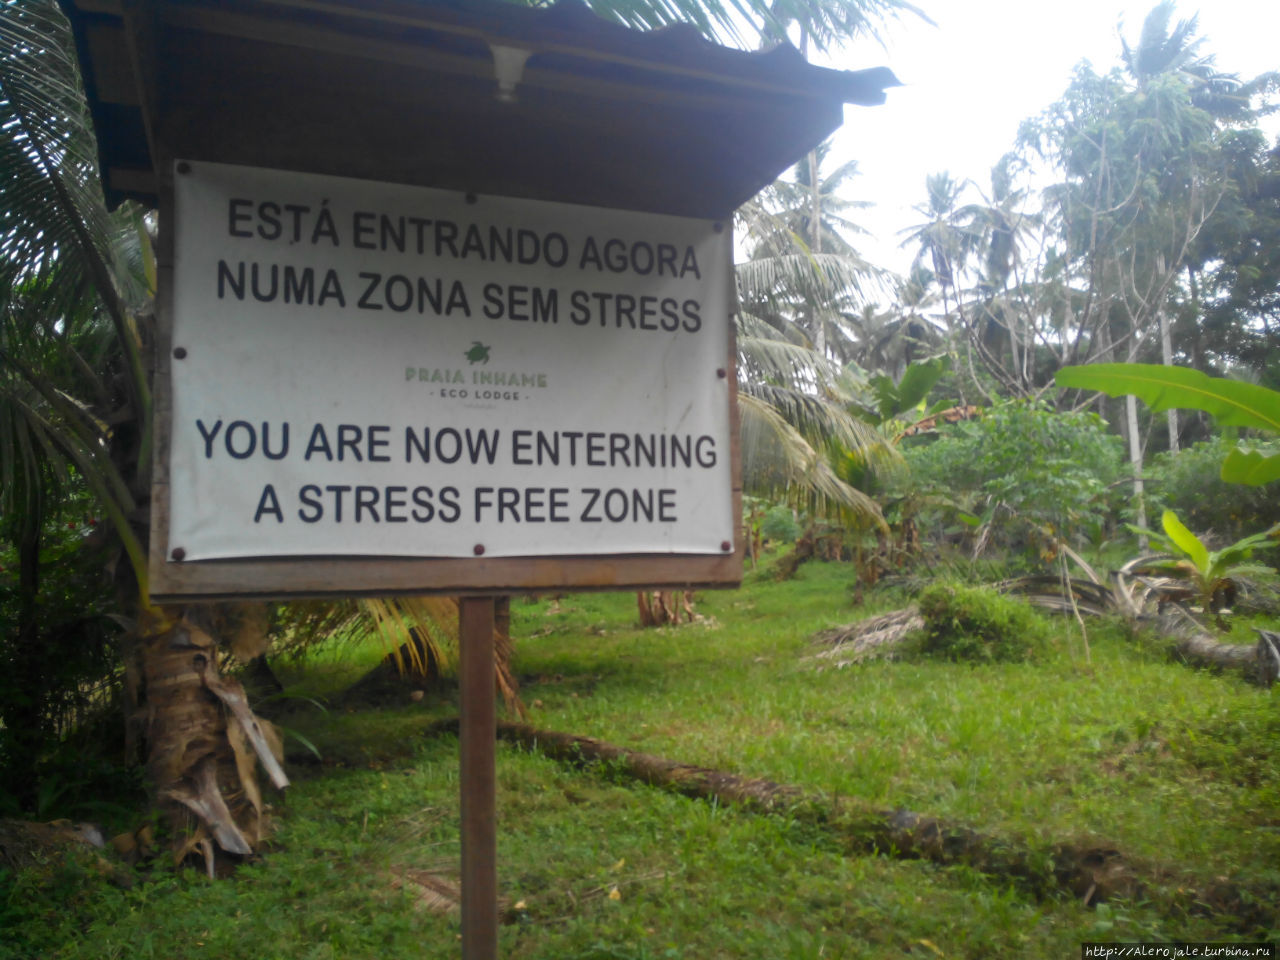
(477, 732)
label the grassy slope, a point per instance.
(1175, 767)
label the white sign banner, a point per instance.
(370, 369)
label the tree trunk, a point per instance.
(1135, 461)
(203, 742)
(1268, 657)
(1259, 662)
(1166, 357)
(659, 608)
(1093, 873)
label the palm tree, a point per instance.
(889, 340)
(56, 395)
(790, 400)
(802, 273)
(75, 293)
(948, 237)
(1166, 49)
(1005, 301)
(944, 237)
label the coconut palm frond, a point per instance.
(779, 462)
(818, 419)
(51, 207)
(808, 276)
(63, 283)
(299, 625)
(416, 630)
(752, 23)
(757, 320)
(765, 354)
(400, 621)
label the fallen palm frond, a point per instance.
(420, 636)
(1052, 593)
(418, 632)
(876, 637)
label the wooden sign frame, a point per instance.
(174, 579)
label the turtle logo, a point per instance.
(478, 352)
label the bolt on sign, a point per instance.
(365, 369)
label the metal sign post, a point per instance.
(477, 733)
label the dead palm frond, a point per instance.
(416, 630)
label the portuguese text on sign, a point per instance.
(367, 369)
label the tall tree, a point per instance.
(947, 239)
(1172, 50)
(1143, 172)
(1144, 164)
(802, 271)
(1001, 228)
(789, 398)
(1230, 314)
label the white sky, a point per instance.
(987, 66)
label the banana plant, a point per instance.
(1212, 574)
(1230, 402)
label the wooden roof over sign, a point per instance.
(476, 95)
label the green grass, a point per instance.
(1054, 750)
(1174, 767)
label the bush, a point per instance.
(780, 525)
(60, 671)
(978, 624)
(1188, 483)
(1031, 473)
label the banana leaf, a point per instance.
(1230, 402)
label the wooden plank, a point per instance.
(732, 92)
(506, 29)
(144, 61)
(109, 55)
(161, 399)
(342, 44)
(109, 7)
(477, 735)
(132, 180)
(341, 577)
(272, 107)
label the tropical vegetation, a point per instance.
(1090, 339)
